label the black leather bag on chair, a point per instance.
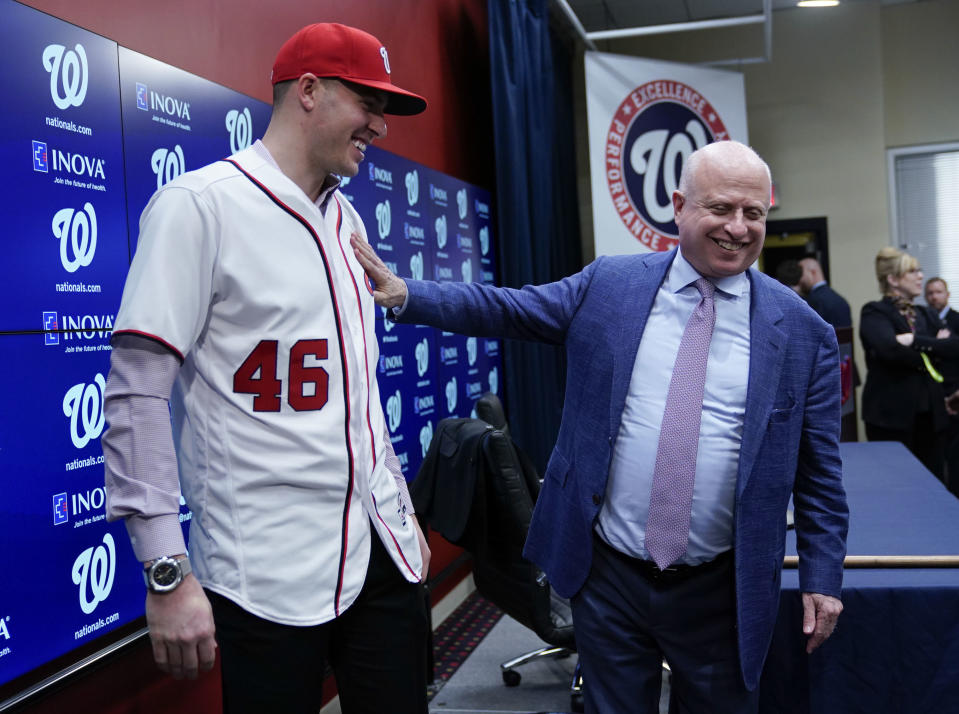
(502, 574)
(477, 460)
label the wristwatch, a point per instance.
(166, 573)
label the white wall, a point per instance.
(844, 84)
(920, 63)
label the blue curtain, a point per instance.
(535, 198)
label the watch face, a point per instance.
(165, 574)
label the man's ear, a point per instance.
(679, 201)
(307, 87)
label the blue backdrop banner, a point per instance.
(96, 131)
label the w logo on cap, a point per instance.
(386, 59)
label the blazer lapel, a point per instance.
(767, 341)
(640, 288)
(896, 317)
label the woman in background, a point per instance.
(903, 398)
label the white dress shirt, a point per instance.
(622, 519)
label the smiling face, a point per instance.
(346, 119)
(721, 209)
(909, 284)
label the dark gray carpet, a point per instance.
(477, 686)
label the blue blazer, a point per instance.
(790, 442)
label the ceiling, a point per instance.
(602, 15)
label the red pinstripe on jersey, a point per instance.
(369, 423)
(346, 375)
(359, 306)
(395, 542)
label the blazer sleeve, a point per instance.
(819, 499)
(936, 347)
(540, 313)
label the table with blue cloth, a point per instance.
(895, 649)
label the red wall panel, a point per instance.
(438, 48)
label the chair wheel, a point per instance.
(511, 678)
(576, 702)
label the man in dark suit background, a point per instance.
(830, 305)
(937, 297)
(789, 273)
(767, 428)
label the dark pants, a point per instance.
(377, 649)
(925, 443)
(626, 624)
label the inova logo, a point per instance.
(66, 162)
(170, 106)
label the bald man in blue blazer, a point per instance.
(769, 429)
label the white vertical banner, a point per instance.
(645, 117)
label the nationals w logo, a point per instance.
(69, 72)
(240, 125)
(83, 404)
(657, 126)
(77, 232)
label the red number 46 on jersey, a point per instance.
(257, 376)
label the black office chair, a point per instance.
(477, 489)
(502, 574)
(490, 409)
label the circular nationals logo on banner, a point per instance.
(656, 127)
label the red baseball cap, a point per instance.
(328, 49)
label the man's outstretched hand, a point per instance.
(388, 289)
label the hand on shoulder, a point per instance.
(388, 289)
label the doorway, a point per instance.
(795, 239)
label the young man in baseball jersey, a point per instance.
(247, 310)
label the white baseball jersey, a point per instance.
(279, 430)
